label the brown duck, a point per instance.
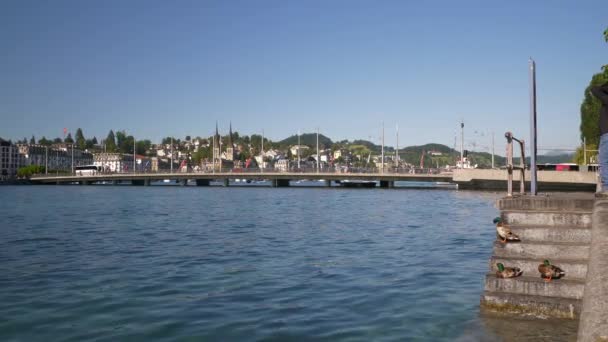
(548, 271)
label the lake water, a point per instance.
(243, 263)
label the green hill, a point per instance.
(309, 139)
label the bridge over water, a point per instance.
(464, 178)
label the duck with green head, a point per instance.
(504, 232)
(507, 272)
(548, 271)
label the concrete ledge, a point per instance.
(541, 251)
(540, 306)
(593, 324)
(543, 218)
(565, 202)
(552, 234)
(575, 269)
(536, 286)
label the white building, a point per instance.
(282, 165)
(54, 158)
(113, 162)
(295, 148)
(9, 160)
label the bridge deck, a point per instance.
(245, 175)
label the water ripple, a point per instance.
(256, 264)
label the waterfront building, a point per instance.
(282, 164)
(113, 162)
(295, 148)
(56, 158)
(9, 160)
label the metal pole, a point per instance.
(585, 150)
(46, 160)
(134, 155)
(298, 150)
(262, 151)
(72, 158)
(397, 150)
(213, 157)
(318, 156)
(492, 150)
(533, 189)
(172, 153)
(462, 144)
(382, 165)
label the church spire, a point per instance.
(230, 136)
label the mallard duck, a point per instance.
(507, 272)
(548, 271)
(504, 232)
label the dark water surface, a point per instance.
(220, 264)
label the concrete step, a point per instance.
(575, 269)
(542, 250)
(548, 218)
(552, 234)
(536, 286)
(562, 201)
(509, 303)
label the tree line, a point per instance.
(590, 112)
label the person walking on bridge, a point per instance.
(601, 92)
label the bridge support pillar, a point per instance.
(387, 184)
(226, 182)
(183, 182)
(114, 182)
(202, 182)
(138, 182)
(328, 183)
(146, 182)
(280, 183)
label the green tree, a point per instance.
(81, 142)
(110, 142)
(57, 141)
(142, 146)
(44, 141)
(28, 171)
(33, 140)
(590, 112)
(68, 139)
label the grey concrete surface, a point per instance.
(593, 325)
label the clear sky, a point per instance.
(160, 68)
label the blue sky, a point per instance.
(159, 68)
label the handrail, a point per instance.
(510, 167)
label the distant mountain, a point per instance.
(309, 139)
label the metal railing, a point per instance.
(511, 167)
(256, 171)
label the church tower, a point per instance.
(217, 141)
(230, 148)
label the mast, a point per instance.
(318, 157)
(397, 149)
(462, 144)
(298, 150)
(382, 169)
(492, 149)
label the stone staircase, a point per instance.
(553, 228)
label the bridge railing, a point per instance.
(511, 167)
(254, 171)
